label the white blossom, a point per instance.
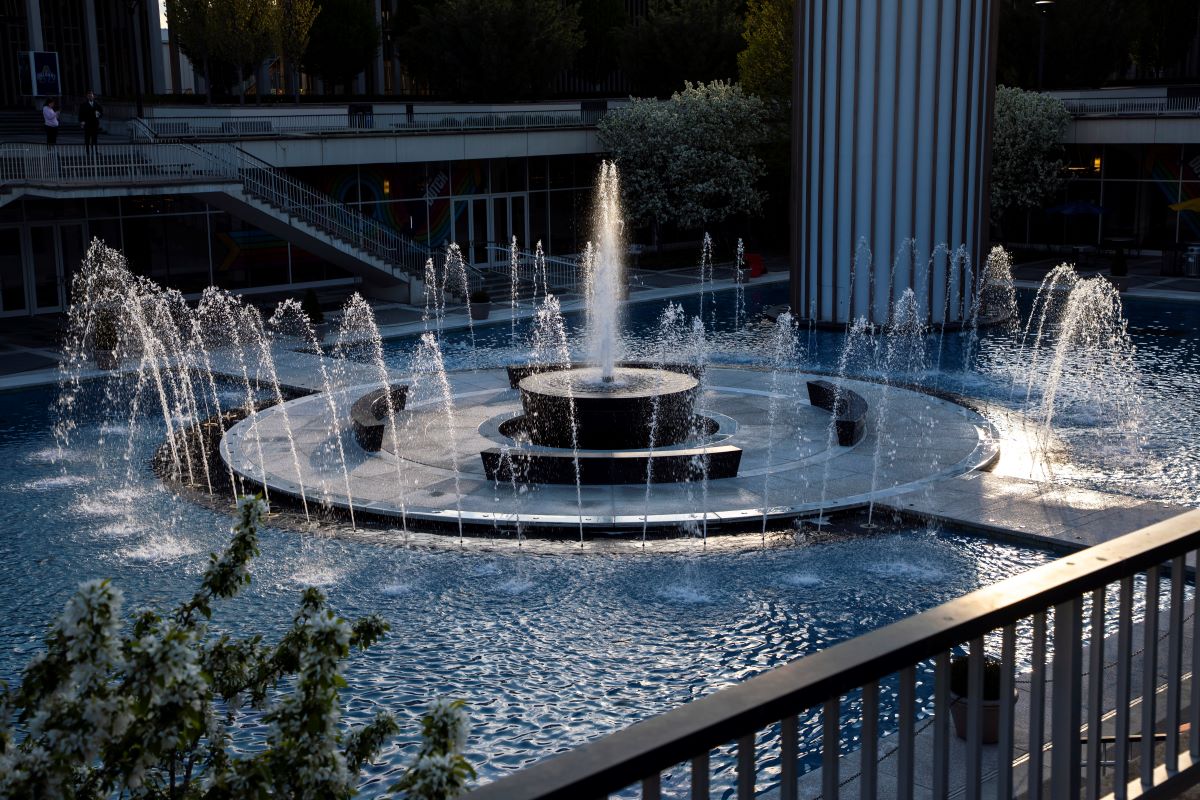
(1027, 164)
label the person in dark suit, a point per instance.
(89, 117)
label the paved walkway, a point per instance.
(1145, 276)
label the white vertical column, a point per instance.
(894, 98)
(33, 15)
(155, 55)
(378, 69)
(93, 47)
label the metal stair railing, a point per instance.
(175, 162)
(561, 274)
(73, 165)
(268, 184)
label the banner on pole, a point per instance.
(38, 74)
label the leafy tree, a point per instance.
(681, 40)
(293, 27)
(144, 711)
(1163, 33)
(343, 41)
(244, 34)
(601, 22)
(1027, 164)
(765, 66)
(690, 160)
(1087, 42)
(193, 26)
(493, 50)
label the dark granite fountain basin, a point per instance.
(637, 408)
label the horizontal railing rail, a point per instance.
(536, 269)
(360, 122)
(302, 202)
(160, 162)
(1133, 106)
(119, 164)
(1048, 612)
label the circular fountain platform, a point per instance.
(789, 467)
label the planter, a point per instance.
(480, 311)
(991, 717)
(755, 262)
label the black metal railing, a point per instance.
(1074, 706)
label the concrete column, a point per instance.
(378, 68)
(158, 72)
(893, 102)
(33, 14)
(93, 46)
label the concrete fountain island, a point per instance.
(606, 445)
(461, 465)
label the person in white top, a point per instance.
(50, 119)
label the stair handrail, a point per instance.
(562, 274)
(303, 202)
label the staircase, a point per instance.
(22, 124)
(275, 194)
(229, 178)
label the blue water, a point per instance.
(1158, 460)
(549, 650)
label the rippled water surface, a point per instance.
(1149, 451)
(550, 649)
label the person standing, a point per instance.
(89, 117)
(50, 121)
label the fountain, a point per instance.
(599, 443)
(612, 444)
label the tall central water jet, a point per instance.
(624, 415)
(605, 274)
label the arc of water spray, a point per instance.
(358, 326)
(783, 346)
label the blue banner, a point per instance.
(39, 75)
(45, 71)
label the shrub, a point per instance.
(110, 709)
(480, 296)
(960, 676)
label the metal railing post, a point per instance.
(1065, 709)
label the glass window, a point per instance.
(1084, 160)
(1122, 161)
(244, 256)
(38, 209)
(440, 226)
(537, 173)
(399, 181)
(563, 215)
(470, 177)
(539, 219)
(562, 172)
(1191, 162)
(12, 271)
(508, 174)
(73, 249)
(45, 266)
(107, 231)
(1189, 221)
(587, 167)
(98, 207)
(438, 179)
